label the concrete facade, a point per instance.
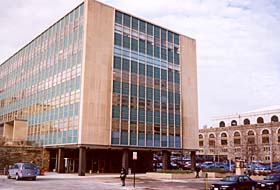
(97, 71)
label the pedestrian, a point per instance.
(123, 176)
(249, 173)
(197, 169)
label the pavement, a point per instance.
(55, 181)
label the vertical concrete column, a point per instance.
(82, 161)
(60, 163)
(193, 159)
(165, 160)
(125, 159)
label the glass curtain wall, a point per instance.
(146, 106)
(41, 82)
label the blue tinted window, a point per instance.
(124, 113)
(118, 39)
(125, 88)
(141, 69)
(118, 17)
(124, 137)
(134, 67)
(135, 23)
(142, 26)
(125, 66)
(126, 21)
(116, 112)
(117, 62)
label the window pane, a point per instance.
(116, 86)
(125, 88)
(141, 69)
(149, 71)
(118, 39)
(126, 21)
(150, 29)
(125, 66)
(142, 26)
(126, 42)
(117, 62)
(134, 44)
(134, 67)
(135, 23)
(118, 17)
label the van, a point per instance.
(23, 170)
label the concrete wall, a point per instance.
(12, 154)
(15, 130)
(97, 74)
(20, 130)
(189, 93)
(8, 131)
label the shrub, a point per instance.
(217, 170)
(176, 171)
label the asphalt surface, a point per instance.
(53, 181)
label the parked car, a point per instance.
(272, 181)
(264, 170)
(187, 167)
(23, 170)
(235, 182)
(207, 165)
(276, 169)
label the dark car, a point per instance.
(271, 181)
(235, 182)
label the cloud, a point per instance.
(238, 43)
(22, 20)
(237, 49)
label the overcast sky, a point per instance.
(238, 43)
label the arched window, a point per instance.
(223, 139)
(274, 118)
(251, 133)
(223, 135)
(200, 136)
(251, 137)
(236, 138)
(233, 123)
(265, 136)
(260, 120)
(278, 135)
(265, 132)
(246, 121)
(211, 140)
(236, 134)
(222, 124)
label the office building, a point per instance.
(98, 85)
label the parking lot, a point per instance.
(100, 182)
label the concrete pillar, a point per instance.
(60, 163)
(193, 159)
(165, 160)
(82, 161)
(125, 159)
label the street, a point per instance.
(101, 182)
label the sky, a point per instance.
(238, 43)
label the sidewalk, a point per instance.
(75, 175)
